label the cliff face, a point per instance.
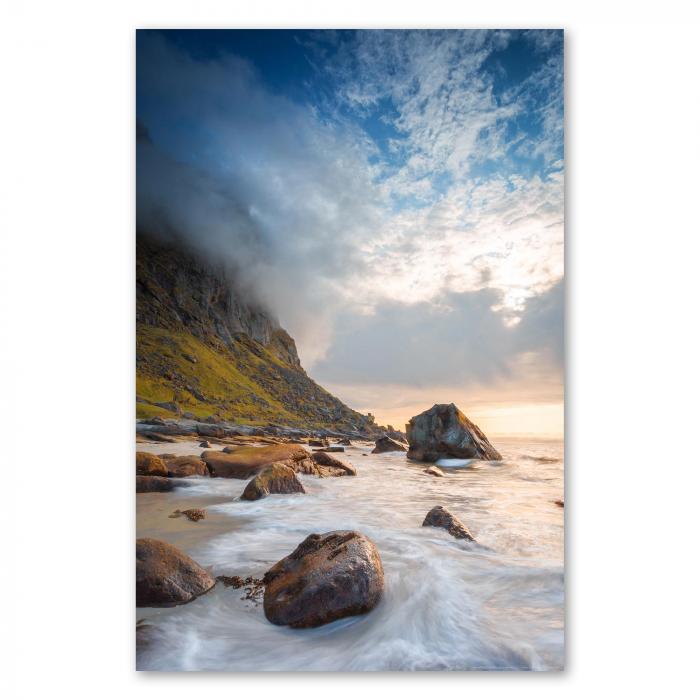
(203, 349)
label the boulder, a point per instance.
(277, 478)
(344, 441)
(332, 466)
(327, 577)
(205, 443)
(150, 465)
(319, 443)
(249, 461)
(190, 465)
(334, 448)
(165, 576)
(154, 484)
(443, 432)
(434, 471)
(440, 517)
(387, 444)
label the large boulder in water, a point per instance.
(329, 576)
(387, 444)
(441, 517)
(249, 461)
(443, 432)
(165, 576)
(277, 478)
(148, 464)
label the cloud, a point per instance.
(255, 181)
(429, 256)
(456, 340)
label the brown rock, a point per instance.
(205, 443)
(344, 441)
(150, 465)
(334, 448)
(193, 514)
(190, 465)
(445, 432)
(165, 576)
(151, 484)
(559, 503)
(333, 466)
(277, 478)
(387, 444)
(319, 443)
(249, 461)
(440, 517)
(327, 577)
(434, 471)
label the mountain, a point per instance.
(203, 348)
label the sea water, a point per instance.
(447, 604)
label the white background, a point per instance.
(67, 347)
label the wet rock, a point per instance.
(434, 471)
(193, 514)
(277, 478)
(205, 443)
(441, 517)
(249, 461)
(443, 432)
(387, 444)
(165, 576)
(332, 466)
(154, 484)
(189, 465)
(150, 465)
(327, 577)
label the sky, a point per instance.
(394, 198)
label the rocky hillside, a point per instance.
(203, 350)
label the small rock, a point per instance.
(205, 443)
(559, 503)
(319, 443)
(277, 478)
(334, 448)
(387, 444)
(327, 577)
(440, 517)
(148, 464)
(154, 484)
(336, 467)
(434, 471)
(193, 514)
(165, 576)
(344, 441)
(189, 465)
